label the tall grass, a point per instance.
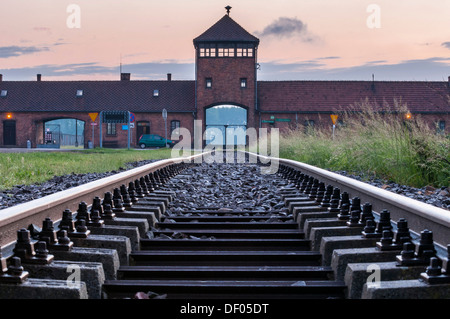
(37, 167)
(375, 144)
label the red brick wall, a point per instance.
(226, 74)
(29, 126)
(324, 120)
(157, 122)
(296, 120)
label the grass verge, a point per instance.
(37, 167)
(376, 144)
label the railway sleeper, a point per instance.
(150, 215)
(234, 289)
(34, 288)
(147, 206)
(225, 258)
(140, 223)
(91, 273)
(235, 225)
(271, 273)
(225, 244)
(15, 282)
(230, 233)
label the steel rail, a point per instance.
(419, 215)
(34, 212)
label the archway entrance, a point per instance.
(226, 125)
(66, 133)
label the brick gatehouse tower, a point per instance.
(226, 81)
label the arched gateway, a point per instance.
(226, 125)
(65, 132)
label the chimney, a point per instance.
(1, 77)
(448, 82)
(39, 76)
(169, 77)
(125, 76)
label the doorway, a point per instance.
(9, 133)
(143, 127)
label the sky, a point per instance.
(398, 40)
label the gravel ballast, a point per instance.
(221, 185)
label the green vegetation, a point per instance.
(37, 167)
(375, 144)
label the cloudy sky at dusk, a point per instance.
(300, 40)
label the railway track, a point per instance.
(302, 233)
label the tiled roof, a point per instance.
(224, 30)
(179, 96)
(313, 96)
(134, 96)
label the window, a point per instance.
(207, 50)
(79, 93)
(156, 93)
(441, 127)
(174, 125)
(244, 50)
(111, 129)
(243, 83)
(208, 82)
(4, 93)
(225, 50)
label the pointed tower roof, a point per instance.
(226, 30)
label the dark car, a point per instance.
(154, 140)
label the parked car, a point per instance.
(154, 140)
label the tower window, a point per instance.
(243, 83)
(155, 93)
(244, 50)
(225, 50)
(208, 82)
(4, 93)
(79, 93)
(207, 50)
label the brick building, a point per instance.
(225, 95)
